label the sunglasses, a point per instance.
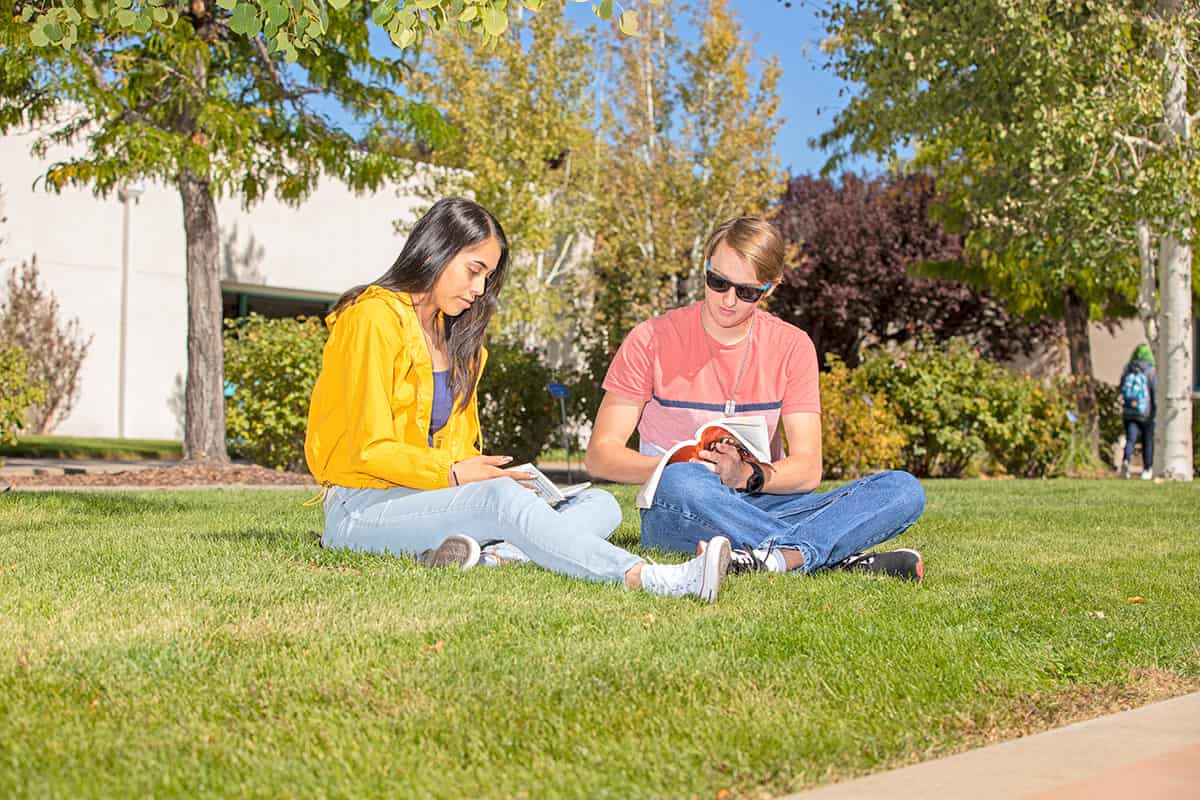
(747, 293)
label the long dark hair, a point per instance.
(452, 225)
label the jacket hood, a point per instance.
(369, 292)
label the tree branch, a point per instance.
(272, 70)
(1137, 141)
(97, 73)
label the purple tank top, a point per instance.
(443, 403)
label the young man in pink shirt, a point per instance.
(723, 356)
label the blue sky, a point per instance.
(809, 98)
(808, 92)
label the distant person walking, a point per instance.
(1137, 409)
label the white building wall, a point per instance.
(333, 241)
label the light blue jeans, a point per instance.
(571, 540)
(692, 505)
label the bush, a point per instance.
(17, 394)
(859, 433)
(1028, 429)
(272, 365)
(954, 406)
(517, 413)
(1195, 433)
(54, 349)
(938, 395)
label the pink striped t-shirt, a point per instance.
(664, 363)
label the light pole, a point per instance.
(125, 195)
(560, 391)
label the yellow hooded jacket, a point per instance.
(368, 422)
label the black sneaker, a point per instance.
(905, 564)
(456, 550)
(741, 561)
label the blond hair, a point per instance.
(754, 239)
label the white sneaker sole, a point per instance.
(716, 563)
(455, 550)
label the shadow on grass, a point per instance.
(274, 536)
(109, 503)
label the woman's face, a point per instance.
(462, 281)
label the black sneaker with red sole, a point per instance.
(906, 564)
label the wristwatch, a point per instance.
(754, 484)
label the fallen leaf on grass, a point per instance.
(723, 794)
(649, 620)
(1137, 600)
(436, 647)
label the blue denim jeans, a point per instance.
(571, 540)
(1135, 429)
(692, 505)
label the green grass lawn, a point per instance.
(89, 447)
(198, 644)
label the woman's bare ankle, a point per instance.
(633, 576)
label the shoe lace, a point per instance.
(746, 560)
(854, 559)
(762, 564)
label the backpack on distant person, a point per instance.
(1135, 394)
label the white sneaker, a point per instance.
(1147, 475)
(700, 577)
(457, 549)
(497, 554)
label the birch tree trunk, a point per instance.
(1174, 414)
(204, 418)
(1147, 299)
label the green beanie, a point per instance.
(1143, 353)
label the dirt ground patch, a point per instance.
(175, 475)
(1035, 713)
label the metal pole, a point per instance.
(562, 406)
(124, 196)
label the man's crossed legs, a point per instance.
(806, 532)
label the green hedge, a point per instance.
(17, 395)
(859, 432)
(956, 408)
(517, 413)
(271, 366)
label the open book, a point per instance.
(748, 434)
(545, 488)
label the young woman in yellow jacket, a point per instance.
(393, 428)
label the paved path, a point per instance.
(1149, 753)
(71, 466)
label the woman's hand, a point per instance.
(725, 460)
(484, 468)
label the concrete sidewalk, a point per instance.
(1149, 753)
(73, 466)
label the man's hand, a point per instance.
(724, 460)
(483, 468)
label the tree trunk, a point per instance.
(204, 419)
(1174, 396)
(1077, 316)
(1147, 300)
